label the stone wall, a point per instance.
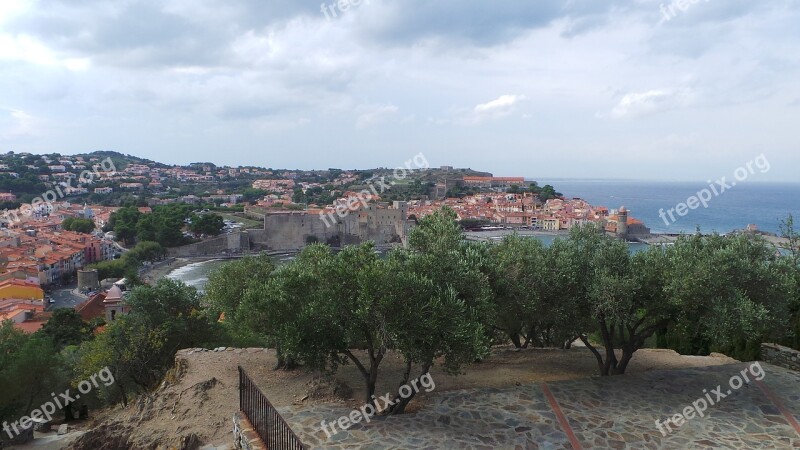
(288, 231)
(228, 243)
(781, 356)
(244, 436)
(292, 230)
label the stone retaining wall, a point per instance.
(781, 356)
(244, 436)
(235, 242)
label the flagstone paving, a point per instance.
(611, 412)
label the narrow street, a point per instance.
(65, 297)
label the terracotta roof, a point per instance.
(18, 282)
(31, 326)
(93, 307)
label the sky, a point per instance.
(679, 90)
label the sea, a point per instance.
(762, 204)
(196, 274)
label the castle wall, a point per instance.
(228, 243)
(288, 231)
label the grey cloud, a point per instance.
(480, 23)
(150, 33)
(255, 108)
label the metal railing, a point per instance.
(267, 422)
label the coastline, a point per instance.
(152, 274)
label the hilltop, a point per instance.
(196, 401)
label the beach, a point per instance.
(161, 269)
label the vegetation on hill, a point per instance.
(139, 348)
(77, 224)
(128, 265)
(545, 193)
(164, 225)
(208, 224)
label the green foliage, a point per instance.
(140, 347)
(79, 225)
(545, 193)
(426, 303)
(147, 227)
(792, 339)
(11, 340)
(208, 224)
(735, 293)
(30, 368)
(123, 223)
(251, 195)
(227, 285)
(9, 205)
(531, 295)
(115, 268)
(146, 251)
(703, 294)
(164, 225)
(66, 327)
(128, 265)
(28, 182)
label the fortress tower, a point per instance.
(622, 223)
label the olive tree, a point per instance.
(528, 292)
(733, 291)
(447, 300)
(322, 310)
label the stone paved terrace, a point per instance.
(614, 412)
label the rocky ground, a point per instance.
(195, 404)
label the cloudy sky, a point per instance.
(550, 89)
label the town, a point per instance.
(41, 250)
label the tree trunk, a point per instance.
(627, 354)
(68, 416)
(594, 351)
(372, 379)
(515, 339)
(400, 403)
(370, 376)
(121, 388)
(529, 336)
(285, 362)
(369, 397)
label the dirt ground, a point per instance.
(197, 401)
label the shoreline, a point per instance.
(152, 274)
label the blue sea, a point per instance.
(762, 204)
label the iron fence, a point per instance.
(267, 422)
